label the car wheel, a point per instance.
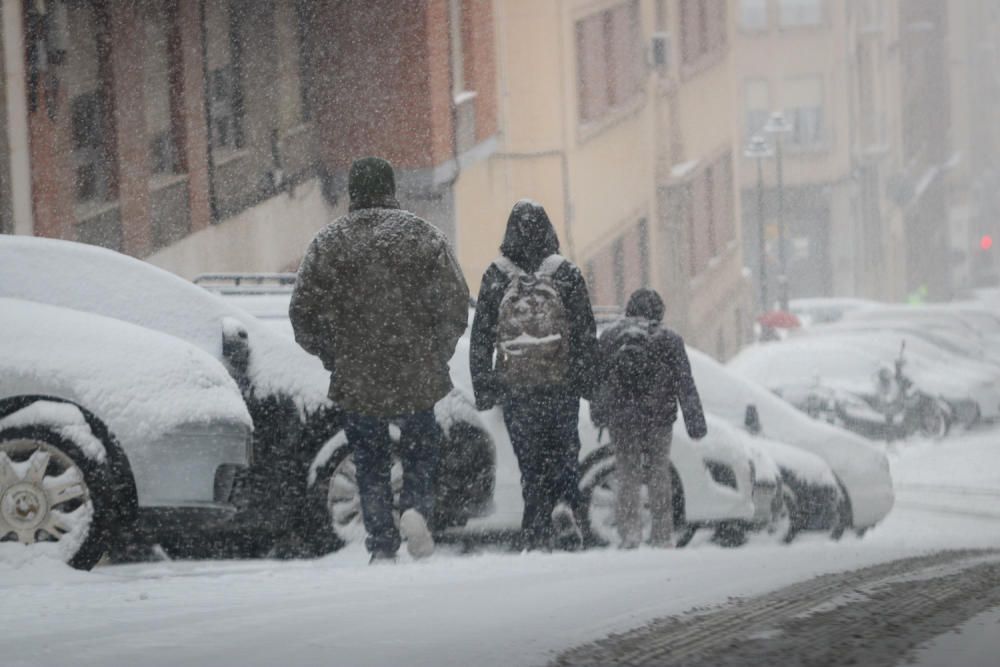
(54, 500)
(599, 488)
(785, 523)
(934, 421)
(730, 534)
(336, 488)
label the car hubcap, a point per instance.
(43, 496)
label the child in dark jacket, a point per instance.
(645, 373)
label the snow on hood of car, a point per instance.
(101, 281)
(140, 382)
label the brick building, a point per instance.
(202, 135)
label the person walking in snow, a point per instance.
(534, 313)
(645, 373)
(381, 300)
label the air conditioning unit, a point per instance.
(659, 50)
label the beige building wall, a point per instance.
(842, 58)
(602, 180)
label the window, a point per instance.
(753, 14)
(804, 110)
(457, 48)
(288, 60)
(92, 174)
(703, 29)
(158, 20)
(607, 59)
(224, 95)
(757, 104)
(90, 121)
(660, 21)
(305, 17)
(795, 13)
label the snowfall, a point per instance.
(492, 608)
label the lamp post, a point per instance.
(777, 125)
(758, 150)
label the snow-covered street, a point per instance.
(486, 609)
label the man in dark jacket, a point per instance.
(542, 419)
(381, 300)
(640, 412)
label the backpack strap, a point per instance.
(507, 266)
(551, 264)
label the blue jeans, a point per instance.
(542, 424)
(419, 443)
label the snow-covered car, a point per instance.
(848, 363)
(861, 468)
(107, 428)
(822, 310)
(970, 387)
(283, 387)
(724, 482)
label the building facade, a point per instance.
(208, 135)
(615, 116)
(832, 69)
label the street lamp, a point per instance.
(777, 125)
(759, 150)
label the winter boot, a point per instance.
(381, 557)
(413, 528)
(567, 535)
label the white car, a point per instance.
(105, 425)
(727, 481)
(861, 468)
(283, 387)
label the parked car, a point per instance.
(283, 387)
(970, 387)
(724, 483)
(108, 429)
(861, 469)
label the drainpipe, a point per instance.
(213, 204)
(15, 97)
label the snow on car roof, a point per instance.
(141, 382)
(97, 280)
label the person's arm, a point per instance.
(583, 331)
(450, 294)
(308, 310)
(687, 392)
(482, 340)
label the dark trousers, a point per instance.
(419, 443)
(543, 431)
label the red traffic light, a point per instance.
(986, 242)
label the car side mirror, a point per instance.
(236, 350)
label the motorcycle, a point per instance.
(894, 410)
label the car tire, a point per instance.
(787, 524)
(52, 493)
(598, 490)
(730, 534)
(934, 420)
(335, 490)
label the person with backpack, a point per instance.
(534, 317)
(645, 373)
(381, 300)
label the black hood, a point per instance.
(530, 236)
(372, 184)
(645, 303)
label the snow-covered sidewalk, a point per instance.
(489, 609)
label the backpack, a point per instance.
(532, 327)
(631, 368)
